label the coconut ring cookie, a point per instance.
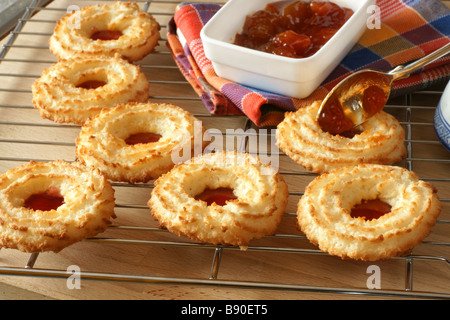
(381, 141)
(136, 142)
(109, 29)
(47, 206)
(71, 91)
(329, 212)
(255, 208)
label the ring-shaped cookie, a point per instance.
(73, 90)
(381, 141)
(326, 211)
(110, 141)
(47, 206)
(108, 29)
(260, 198)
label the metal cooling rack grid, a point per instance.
(404, 108)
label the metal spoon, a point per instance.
(359, 96)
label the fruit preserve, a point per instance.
(219, 196)
(51, 199)
(295, 29)
(370, 87)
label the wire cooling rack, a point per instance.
(285, 262)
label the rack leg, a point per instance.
(409, 274)
(215, 265)
(32, 260)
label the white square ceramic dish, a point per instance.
(286, 76)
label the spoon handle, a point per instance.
(404, 71)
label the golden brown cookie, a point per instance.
(108, 29)
(73, 90)
(137, 142)
(223, 198)
(47, 206)
(368, 212)
(379, 141)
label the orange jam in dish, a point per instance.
(295, 29)
(219, 196)
(51, 199)
(142, 137)
(370, 209)
(106, 35)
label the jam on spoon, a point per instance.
(364, 93)
(361, 97)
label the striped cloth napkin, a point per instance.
(410, 29)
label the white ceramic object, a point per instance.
(286, 76)
(442, 118)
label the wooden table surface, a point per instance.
(160, 265)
